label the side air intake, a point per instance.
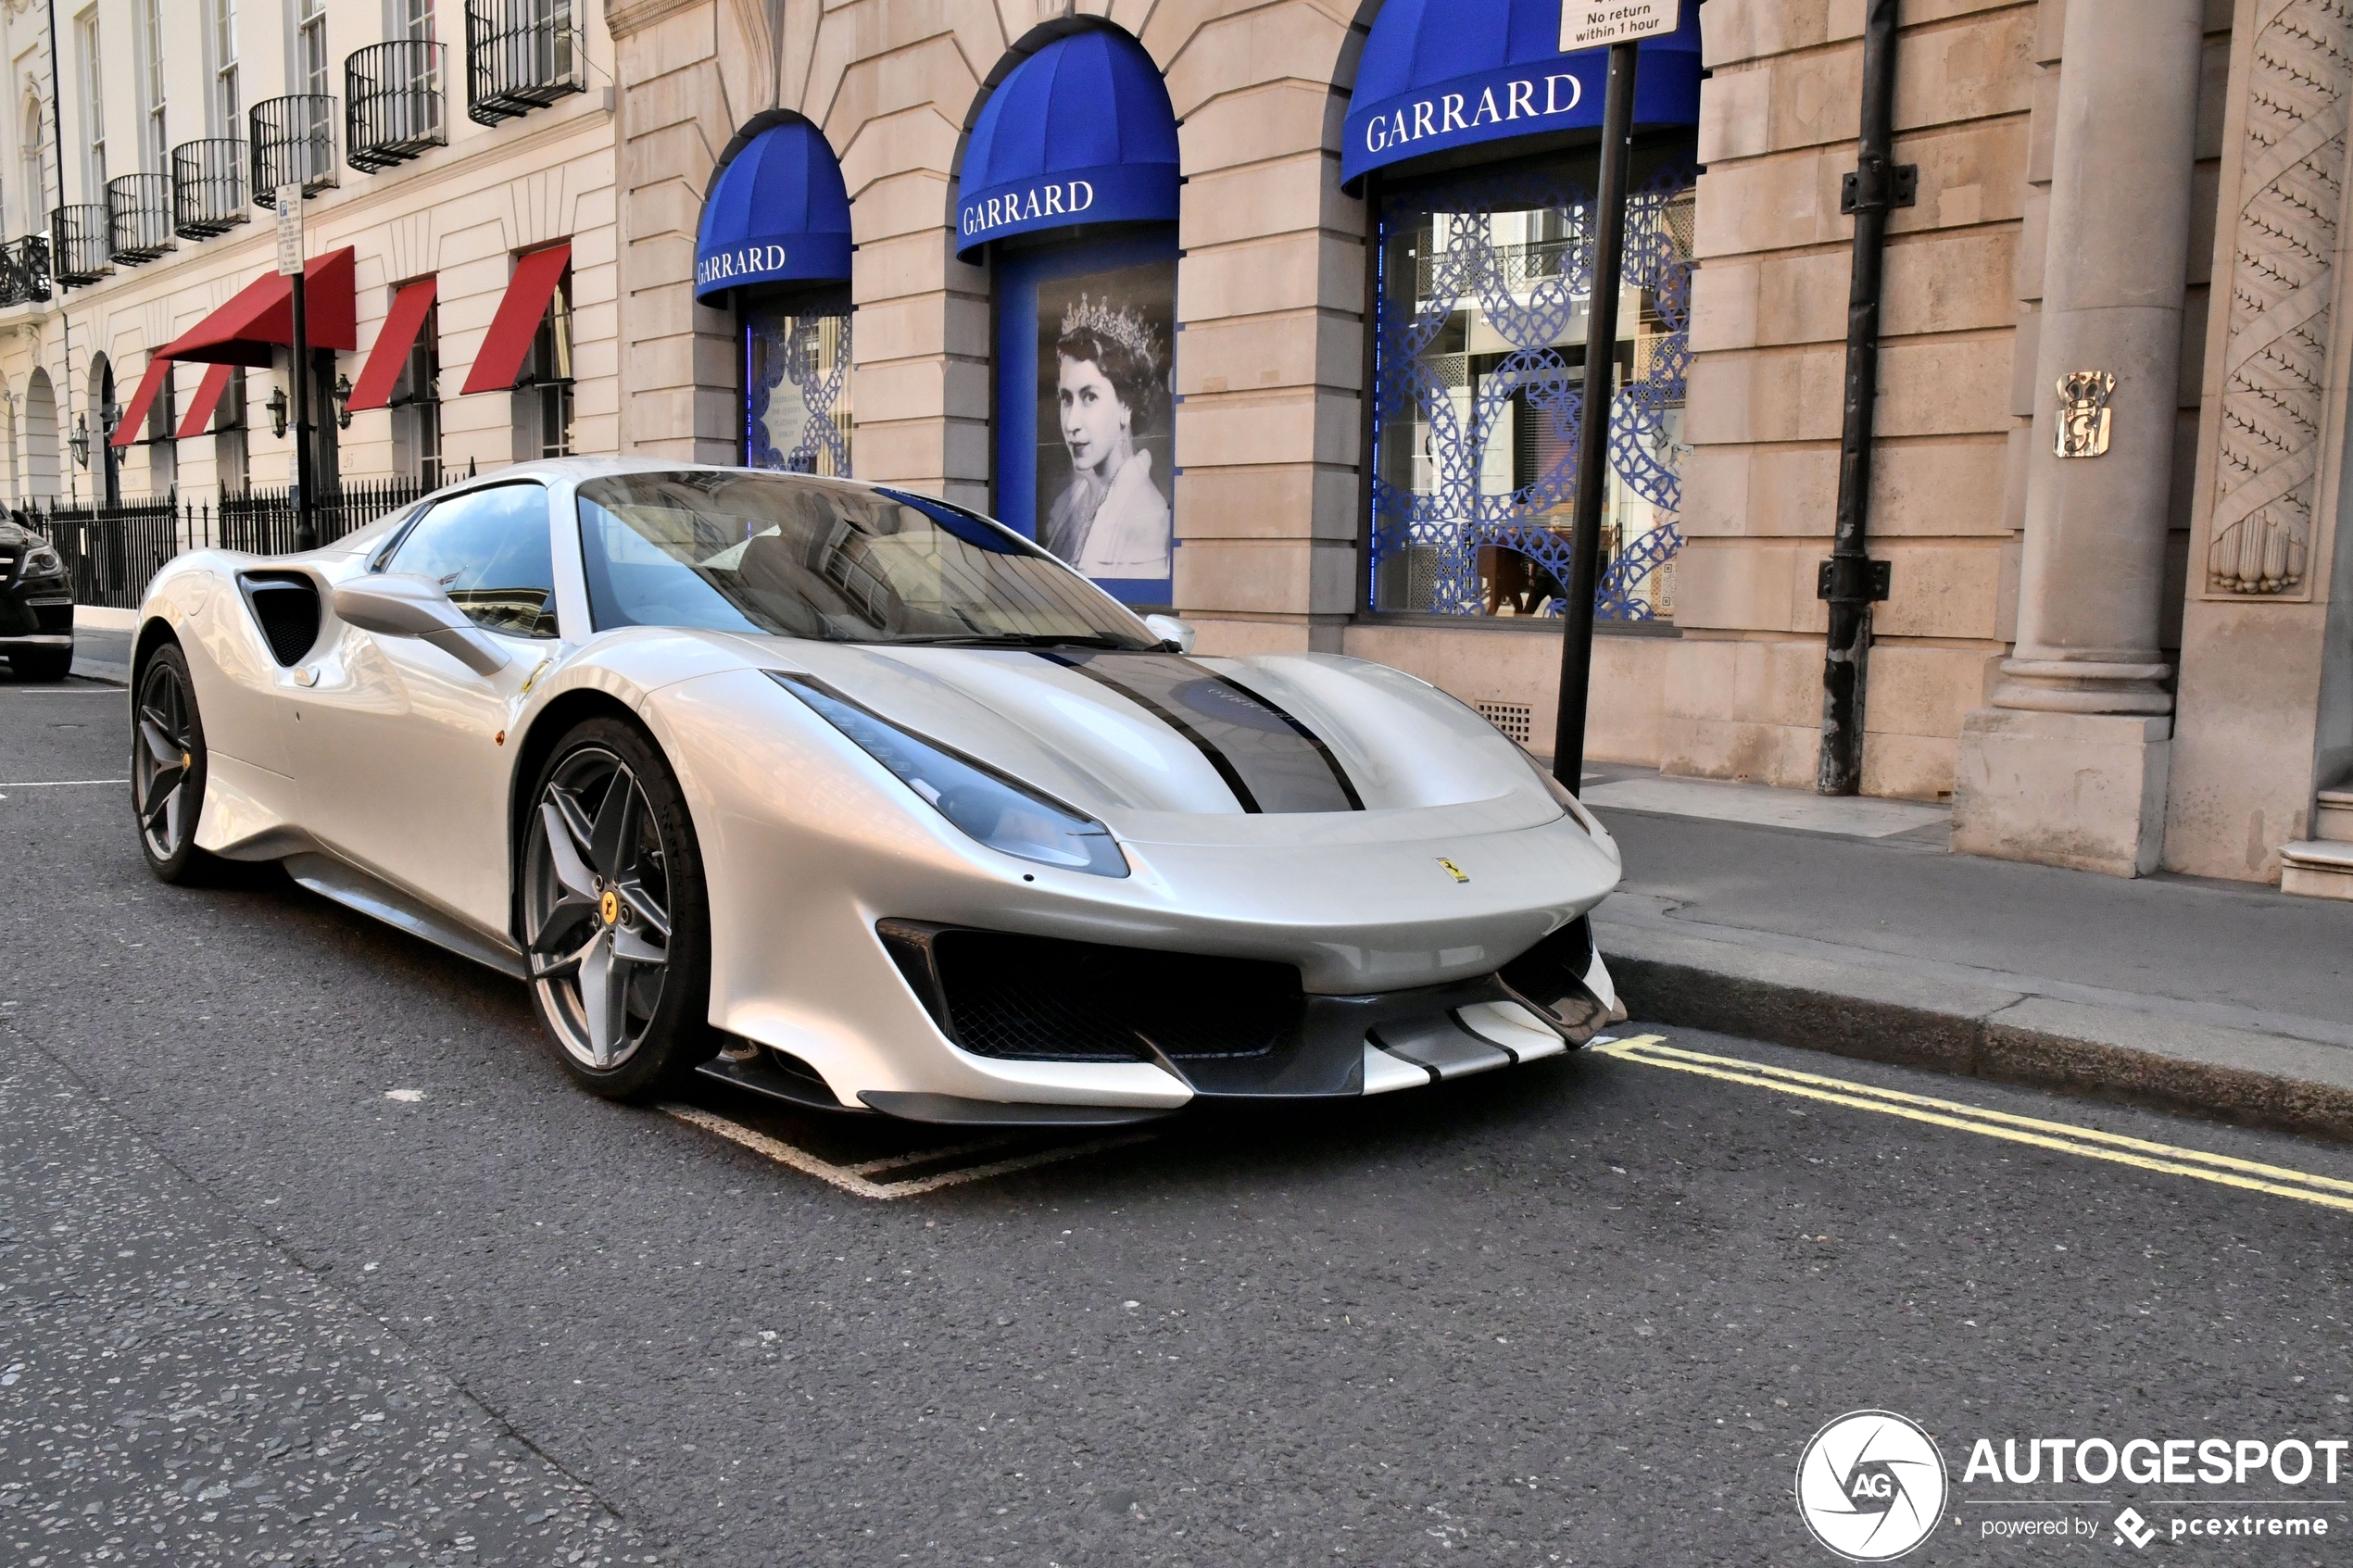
(286, 605)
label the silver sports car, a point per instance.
(861, 800)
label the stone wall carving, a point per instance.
(2292, 191)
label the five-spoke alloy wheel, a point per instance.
(168, 765)
(612, 913)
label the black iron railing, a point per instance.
(523, 54)
(208, 187)
(293, 143)
(262, 521)
(392, 103)
(139, 216)
(82, 239)
(113, 552)
(24, 271)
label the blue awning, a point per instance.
(779, 213)
(1082, 131)
(1440, 74)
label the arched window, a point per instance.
(1069, 190)
(100, 411)
(31, 184)
(41, 437)
(775, 242)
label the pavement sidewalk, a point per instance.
(1848, 926)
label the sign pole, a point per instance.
(290, 265)
(1592, 444)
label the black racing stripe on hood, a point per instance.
(1271, 762)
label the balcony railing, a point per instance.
(139, 212)
(392, 103)
(523, 54)
(82, 244)
(24, 271)
(208, 187)
(293, 142)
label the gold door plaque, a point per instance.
(2083, 414)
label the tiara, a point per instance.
(1121, 326)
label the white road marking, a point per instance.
(854, 1179)
(57, 784)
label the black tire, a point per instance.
(612, 914)
(41, 664)
(169, 765)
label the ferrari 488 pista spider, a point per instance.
(859, 799)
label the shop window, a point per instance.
(796, 379)
(1482, 289)
(544, 398)
(1086, 426)
(416, 406)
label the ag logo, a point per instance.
(1870, 1486)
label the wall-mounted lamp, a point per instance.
(343, 402)
(277, 406)
(79, 441)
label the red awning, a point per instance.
(509, 340)
(208, 391)
(261, 316)
(402, 323)
(134, 413)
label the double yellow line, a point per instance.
(1650, 1050)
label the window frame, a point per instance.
(227, 99)
(312, 64)
(89, 88)
(157, 149)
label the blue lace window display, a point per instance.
(1477, 396)
(796, 391)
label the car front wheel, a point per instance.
(167, 766)
(613, 916)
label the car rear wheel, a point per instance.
(613, 917)
(167, 767)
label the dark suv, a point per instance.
(36, 606)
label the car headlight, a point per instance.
(1004, 815)
(43, 561)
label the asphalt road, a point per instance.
(254, 1309)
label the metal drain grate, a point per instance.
(1512, 718)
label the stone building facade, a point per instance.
(2137, 659)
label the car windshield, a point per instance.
(802, 558)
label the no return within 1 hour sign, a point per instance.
(1591, 24)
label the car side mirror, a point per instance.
(400, 604)
(1179, 633)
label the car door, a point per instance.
(398, 749)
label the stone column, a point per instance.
(2069, 765)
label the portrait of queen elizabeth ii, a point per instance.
(1108, 376)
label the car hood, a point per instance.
(1171, 747)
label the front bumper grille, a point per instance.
(1036, 999)
(1232, 1028)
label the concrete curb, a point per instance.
(1871, 1009)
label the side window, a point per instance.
(490, 551)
